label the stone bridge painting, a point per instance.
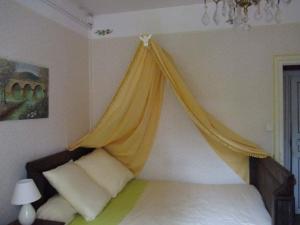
(23, 91)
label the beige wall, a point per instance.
(28, 37)
(229, 71)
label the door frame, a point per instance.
(278, 105)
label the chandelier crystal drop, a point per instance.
(268, 13)
(224, 8)
(278, 14)
(258, 14)
(216, 16)
(236, 12)
(205, 18)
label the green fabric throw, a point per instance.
(118, 207)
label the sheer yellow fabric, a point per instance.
(127, 129)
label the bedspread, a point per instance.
(175, 203)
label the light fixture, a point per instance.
(236, 11)
(103, 32)
(25, 193)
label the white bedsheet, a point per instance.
(173, 203)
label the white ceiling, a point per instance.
(98, 7)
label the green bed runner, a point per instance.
(118, 207)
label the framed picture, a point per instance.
(23, 91)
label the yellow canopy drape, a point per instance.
(127, 128)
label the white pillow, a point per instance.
(79, 189)
(56, 209)
(105, 170)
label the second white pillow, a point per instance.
(105, 170)
(56, 209)
(79, 189)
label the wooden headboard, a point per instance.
(274, 182)
(276, 185)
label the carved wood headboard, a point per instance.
(276, 185)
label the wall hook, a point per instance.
(145, 38)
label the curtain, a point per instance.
(127, 128)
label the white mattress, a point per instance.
(173, 203)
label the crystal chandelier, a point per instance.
(236, 11)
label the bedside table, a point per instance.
(39, 222)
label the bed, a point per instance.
(268, 200)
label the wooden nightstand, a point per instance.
(39, 222)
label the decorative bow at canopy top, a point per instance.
(127, 128)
